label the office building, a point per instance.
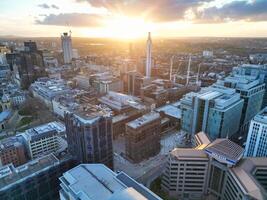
(37, 179)
(12, 151)
(251, 90)
(215, 110)
(187, 171)
(258, 71)
(46, 89)
(143, 137)
(96, 181)
(30, 46)
(89, 135)
(44, 139)
(256, 144)
(66, 44)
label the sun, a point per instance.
(124, 27)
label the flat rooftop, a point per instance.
(261, 116)
(145, 119)
(55, 127)
(170, 110)
(10, 175)
(188, 154)
(96, 181)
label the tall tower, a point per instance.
(66, 47)
(148, 56)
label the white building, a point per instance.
(256, 144)
(97, 182)
(148, 56)
(44, 139)
(186, 174)
(66, 47)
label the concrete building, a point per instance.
(46, 89)
(66, 44)
(44, 139)
(256, 144)
(119, 121)
(215, 110)
(89, 135)
(252, 90)
(12, 151)
(258, 71)
(143, 137)
(187, 171)
(37, 179)
(96, 181)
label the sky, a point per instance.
(134, 18)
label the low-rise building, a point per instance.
(12, 151)
(96, 181)
(44, 139)
(37, 179)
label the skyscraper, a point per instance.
(256, 144)
(66, 47)
(148, 55)
(89, 136)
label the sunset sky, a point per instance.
(134, 18)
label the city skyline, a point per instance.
(171, 18)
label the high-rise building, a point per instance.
(215, 110)
(148, 56)
(97, 182)
(37, 179)
(30, 46)
(256, 144)
(66, 47)
(258, 71)
(89, 136)
(251, 90)
(12, 151)
(186, 174)
(143, 137)
(43, 139)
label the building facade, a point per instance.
(256, 144)
(66, 44)
(143, 137)
(89, 136)
(44, 139)
(216, 110)
(12, 151)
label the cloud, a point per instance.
(234, 11)
(72, 19)
(155, 10)
(54, 6)
(44, 5)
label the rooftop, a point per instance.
(141, 121)
(261, 116)
(96, 181)
(244, 171)
(225, 151)
(9, 143)
(4, 115)
(188, 154)
(51, 127)
(9, 175)
(170, 110)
